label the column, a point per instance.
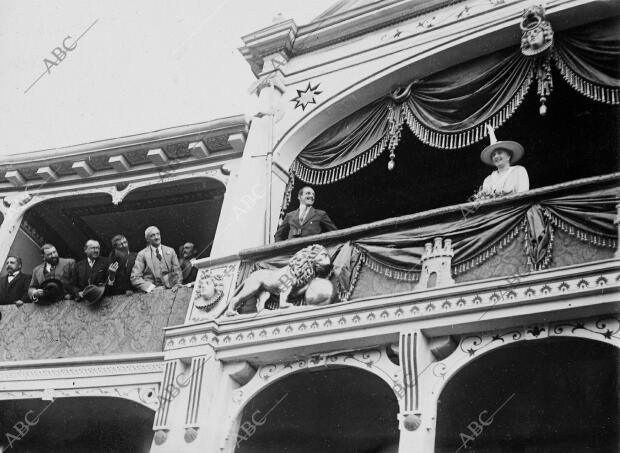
(195, 399)
(418, 417)
(13, 208)
(244, 219)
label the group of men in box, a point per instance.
(153, 268)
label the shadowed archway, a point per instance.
(332, 410)
(72, 425)
(554, 395)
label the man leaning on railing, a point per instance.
(157, 265)
(305, 220)
(53, 279)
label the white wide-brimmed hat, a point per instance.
(513, 147)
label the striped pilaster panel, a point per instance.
(408, 362)
(165, 396)
(195, 390)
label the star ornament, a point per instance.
(306, 96)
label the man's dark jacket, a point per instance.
(315, 222)
(125, 265)
(16, 290)
(97, 275)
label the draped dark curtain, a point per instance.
(354, 142)
(460, 100)
(588, 215)
(587, 58)
(449, 109)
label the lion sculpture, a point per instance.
(310, 264)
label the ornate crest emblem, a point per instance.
(537, 32)
(210, 291)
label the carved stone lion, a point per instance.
(305, 266)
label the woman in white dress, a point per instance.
(507, 178)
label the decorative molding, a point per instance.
(144, 394)
(277, 38)
(212, 289)
(15, 177)
(82, 168)
(119, 163)
(73, 164)
(118, 369)
(408, 354)
(198, 150)
(161, 416)
(605, 328)
(47, 174)
(195, 390)
(306, 96)
(157, 156)
(407, 19)
(375, 361)
(545, 286)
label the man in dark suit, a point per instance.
(93, 270)
(121, 263)
(157, 266)
(53, 266)
(14, 285)
(187, 252)
(305, 220)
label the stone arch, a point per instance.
(556, 394)
(374, 361)
(605, 329)
(88, 423)
(323, 386)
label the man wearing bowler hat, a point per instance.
(54, 278)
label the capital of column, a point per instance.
(15, 203)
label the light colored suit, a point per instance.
(148, 272)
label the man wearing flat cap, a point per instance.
(156, 266)
(54, 269)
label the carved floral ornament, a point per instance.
(604, 329)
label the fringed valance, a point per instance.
(589, 216)
(449, 109)
(587, 58)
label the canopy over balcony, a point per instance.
(560, 105)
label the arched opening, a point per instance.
(554, 395)
(577, 138)
(67, 425)
(184, 211)
(331, 410)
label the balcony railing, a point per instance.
(579, 216)
(117, 325)
(513, 236)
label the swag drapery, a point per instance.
(449, 109)
(586, 214)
